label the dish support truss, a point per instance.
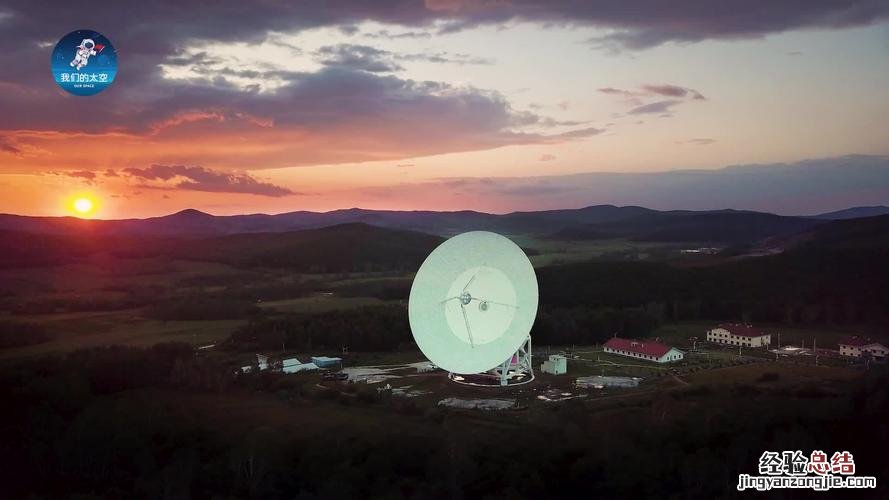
(520, 362)
(516, 370)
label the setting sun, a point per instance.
(83, 206)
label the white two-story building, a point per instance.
(739, 335)
(856, 347)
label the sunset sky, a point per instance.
(491, 105)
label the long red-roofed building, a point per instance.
(740, 335)
(648, 350)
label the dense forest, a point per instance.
(386, 328)
(343, 248)
(125, 423)
(587, 303)
(721, 226)
(381, 328)
(807, 286)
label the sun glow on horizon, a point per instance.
(83, 205)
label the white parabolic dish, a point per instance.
(473, 302)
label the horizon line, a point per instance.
(202, 212)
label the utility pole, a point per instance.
(779, 340)
(815, 348)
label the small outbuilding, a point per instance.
(293, 365)
(555, 365)
(326, 362)
(290, 362)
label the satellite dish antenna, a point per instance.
(472, 305)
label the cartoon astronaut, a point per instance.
(86, 49)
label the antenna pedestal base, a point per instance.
(515, 370)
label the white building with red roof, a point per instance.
(855, 347)
(739, 334)
(648, 350)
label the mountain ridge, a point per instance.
(193, 221)
(854, 213)
(726, 226)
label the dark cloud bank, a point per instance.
(195, 178)
(356, 86)
(183, 177)
(805, 187)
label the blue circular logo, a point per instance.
(84, 62)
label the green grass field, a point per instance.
(551, 252)
(788, 373)
(87, 330)
(594, 361)
(321, 303)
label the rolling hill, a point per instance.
(854, 213)
(863, 233)
(835, 273)
(196, 223)
(719, 227)
(341, 248)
